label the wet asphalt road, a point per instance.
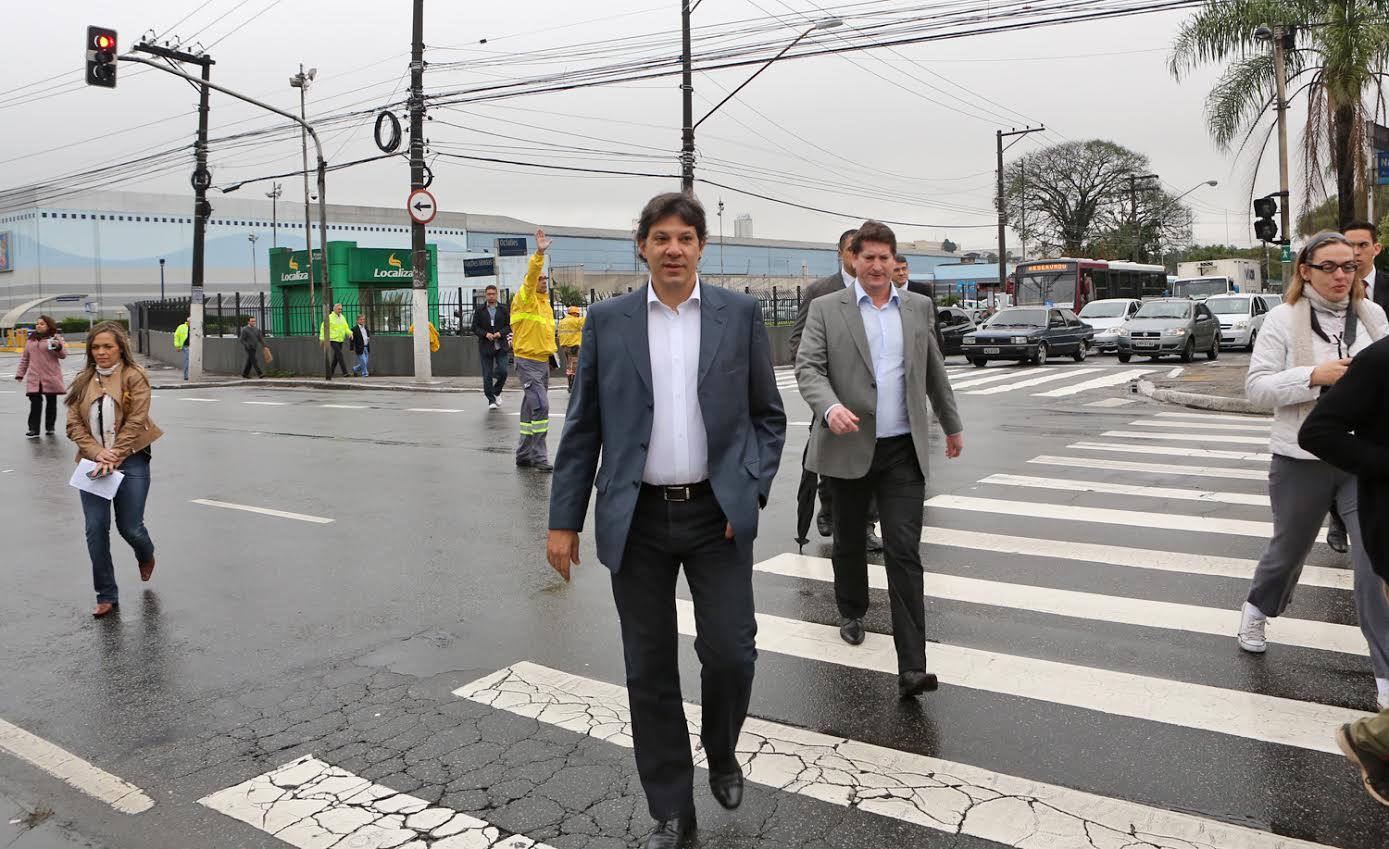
(264, 639)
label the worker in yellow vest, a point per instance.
(533, 344)
(339, 331)
(571, 334)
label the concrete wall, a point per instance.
(390, 355)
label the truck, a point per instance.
(1203, 278)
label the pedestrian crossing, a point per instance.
(1061, 380)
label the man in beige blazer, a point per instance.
(870, 369)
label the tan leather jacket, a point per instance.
(134, 428)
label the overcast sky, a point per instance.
(1101, 80)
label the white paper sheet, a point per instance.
(105, 486)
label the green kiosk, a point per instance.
(373, 282)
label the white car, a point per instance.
(1107, 316)
(1240, 317)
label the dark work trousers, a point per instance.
(666, 535)
(896, 480)
(252, 362)
(338, 361)
(822, 487)
(493, 370)
(36, 403)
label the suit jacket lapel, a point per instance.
(909, 318)
(638, 339)
(711, 324)
(848, 310)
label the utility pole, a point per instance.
(301, 81)
(274, 195)
(1003, 202)
(687, 147)
(252, 237)
(721, 237)
(420, 304)
(202, 210)
(1133, 213)
(1282, 40)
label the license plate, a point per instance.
(991, 350)
(1145, 344)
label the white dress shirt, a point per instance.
(883, 327)
(679, 447)
(848, 278)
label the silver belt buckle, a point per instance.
(682, 491)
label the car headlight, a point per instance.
(1123, 333)
(968, 340)
(1240, 325)
(1019, 340)
(1175, 331)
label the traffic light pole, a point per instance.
(1280, 72)
(322, 179)
(419, 254)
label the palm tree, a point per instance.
(1340, 52)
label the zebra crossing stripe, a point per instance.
(314, 805)
(1068, 485)
(1118, 555)
(1213, 417)
(1212, 438)
(1152, 468)
(1204, 425)
(988, 376)
(1107, 516)
(1304, 633)
(930, 792)
(1271, 719)
(1032, 381)
(1174, 451)
(1107, 380)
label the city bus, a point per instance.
(1070, 282)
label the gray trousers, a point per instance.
(535, 410)
(1300, 492)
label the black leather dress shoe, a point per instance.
(727, 788)
(914, 682)
(852, 631)
(671, 833)
(875, 542)
(824, 525)
(1336, 537)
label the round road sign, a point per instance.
(422, 206)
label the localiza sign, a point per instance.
(374, 265)
(291, 267)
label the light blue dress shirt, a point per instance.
(883, 327)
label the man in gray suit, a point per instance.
(840, 280)
(675, 393)
(869, 355)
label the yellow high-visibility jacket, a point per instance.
(532, 318)
(338, 329)
(571, 329)
(433, 337)
(181, 337)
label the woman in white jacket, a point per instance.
(1304, 348)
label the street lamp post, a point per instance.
(687, 135)
(301, 81)
(1171, 203)
(1282, 38)
(251, 237)
(161, 278)
(274, 195)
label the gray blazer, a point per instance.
(610, 413)
(834, 366)
(824, 286)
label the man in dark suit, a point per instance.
(361, 346)
(491, 324)
(901, 274)
(842, 278)
(676, 393)
(869, 355)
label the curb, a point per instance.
(1217, 403)
(344, 385)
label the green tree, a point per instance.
(1340, 48)
(949, 246)
(1326, 215)
(569, 296)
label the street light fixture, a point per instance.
(251, 237)
(687, 147)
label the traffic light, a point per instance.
(101, 57)
(1265, 228)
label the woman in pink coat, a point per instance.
(41, 368)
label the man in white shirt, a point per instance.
(676, 395)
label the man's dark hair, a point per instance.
(874, 231)
(1362, 225)
(846, 238)
(490, 287)
(681, 205)
(900, 258)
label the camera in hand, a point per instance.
(54, 344)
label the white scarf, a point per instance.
(102, 417)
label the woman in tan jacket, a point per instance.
(108, 417)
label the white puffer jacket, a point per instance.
(1275, 381)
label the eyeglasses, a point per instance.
(546, 279)
(1331, 267)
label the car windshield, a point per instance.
(1228, 306)
(1104, 309)
(1019, 318)
(1164, 309)
(1200, 287)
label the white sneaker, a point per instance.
(492, 406)
(1251, 630)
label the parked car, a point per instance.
(1240, 316)
(1170, 326)
(1107, 316)
(1270, 299)
(1029, 334)
(954, 323)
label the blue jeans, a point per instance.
(129, 505)
(185, 363)
(494, 370)
(363, 359)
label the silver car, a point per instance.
(1107, 316)
(1170, 326)
(1240, 316)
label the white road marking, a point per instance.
(1118, 555)
(1174, 451)
(345, 406)
(1287, 722)
(203, 400)
(1213, 417)
(1176, 371)
(1304, 633)
(1107, 516)
(1095, 383)
(1100, 463)
(1032, 381)
(1213, 438)
(983, 376)
(1265, 428)
(1069, 485)
(314, 805)
(953, 798)
(431, 410)
(264, 511)
(60, 763)
(267, 403)
(1112, 402)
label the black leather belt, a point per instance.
(682, 492)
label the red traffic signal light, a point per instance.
(101, 57)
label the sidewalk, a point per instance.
(1205, 385)
(164, 376)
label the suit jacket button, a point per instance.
(874, 384)
(643, 446)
